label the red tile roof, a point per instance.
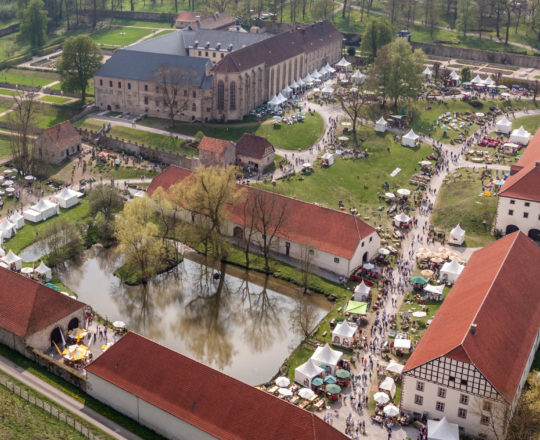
(27, 306)
(251, 145)
(214, 145)
(205, 398)
(499, 291)
(63, 134)
(525, 182)
(328, 230)
(188, 16)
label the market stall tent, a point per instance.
(409, 139)
(361, 292)
(450, 271)
(12, 260)
(356, 307)
(442, 430)
(503, 125)
(394, 367)
(329, 158)
(401, 219)
(402, 344)
(47, 208)
(427, 73)
(434, 292)
(17, 219)
(358, 77)
(457, 236)
(388, 385)
(380, 125)
(44, 271)
(343, 63)
(454, 77)
(32, 215)
(477, 81)
(343, 334)
(7, 229)
(520, 136)
(67, 198)
(326, 356)
(306, 372)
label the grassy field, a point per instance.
(54, 99)
(293, 137)
(530, 123)
(8, 92)
(460, 200)
(5, 147)
(27, 77)
(50, 114)
(140, 23)
(142, 137)
(356, 182)
(290, 137)
(5, 104)
(27, 235)
(119, 36)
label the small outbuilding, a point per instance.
(254, 152)
(57, 143)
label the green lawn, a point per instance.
(54, 99)
(50, 114)
(352, 23)
(89, 89)
(119, 36)
(530, 123)
(27, 235)
(140, 23)
(27, 77)
(8, 92)
(356, 181)
(5, 104)
(142, 137)
(296, 136)
(5, 147)
(460, 200)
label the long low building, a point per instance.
(518, 207)
(338, 242)
(33, 315)
(181, 399)
(473, 361)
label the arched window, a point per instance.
(272, 83)
(248, 91)
(295, 69)
(278, 76)
(289, 73)
(232, 98)
(221, 96)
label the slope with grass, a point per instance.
(461, 200)
(28, 77)
(119, 36)
(5, 146)
(530, 123)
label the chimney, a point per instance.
(473, 329)
(537, 164)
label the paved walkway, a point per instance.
(62, 399)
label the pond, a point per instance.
(244, 326)
(34, 252)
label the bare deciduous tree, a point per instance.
(22, 123)
(170, 85)
(352, 103)
(303, 317)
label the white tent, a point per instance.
(394, 367)
(17, 219)
(315, 74)
(403, 344)
(329, 68)
(427, 73)
(47, 208)
(286, 91)
(434, 292)
(409, 139)
(281, 98)
(361, 292)
(380, 125)
(454, 76)
(32, 215)
(294, 85)
(326, 356)
(520, 136)
(343, 334)
(12, 260)
(442, 430)
(323, 71)
(389, 385)
(358, 77)
(329, 157)
(450, 271)
(306, 372)
(328, 90)
(343, 63)
(308, 79)
(67, 198)
(44, 271)
(477, 80)
(457, 236)
(300, 82)
(274, 102)
(7, 229)
(503, 125)
(489, 82)
(401, 218)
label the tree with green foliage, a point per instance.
(61, 240)
(397, 71)
(34, 24)
(465, 74)
(432, 10)
(322, 9)
(104, 202)
(378, 33)
(467, 10)
(81, 58)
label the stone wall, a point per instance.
(146, 152)
(478, 55)
(150, 16)
(10, 29)
(58, 368)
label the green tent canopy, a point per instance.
(356, 307)
(419, 280)
(333, 388)
(343, 374)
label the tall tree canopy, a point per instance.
(34, 24)
(378, 33)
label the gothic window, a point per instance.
(221, 96)
(232, 98)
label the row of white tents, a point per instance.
(517, 136)
(12, 261)
(45, 209)
(324, 358)
(429, 74)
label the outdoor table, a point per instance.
(273, 389)
(304, 404)
(295, 400)
(318, 405)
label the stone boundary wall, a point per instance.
(58, 368)
(10, 29)
(478, 55)
(150, 16)
(147, 152)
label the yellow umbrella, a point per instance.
(106, 346)
(76, 353)
(423, 251)
(78, 333)
(437, 260)
(427, 273)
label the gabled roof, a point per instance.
(251, 145)
(280, 47)
(189, 16)
(27, 306)
(62, 135)
(328, 230)
(205, 398)
(499, 291)
(218, 146)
